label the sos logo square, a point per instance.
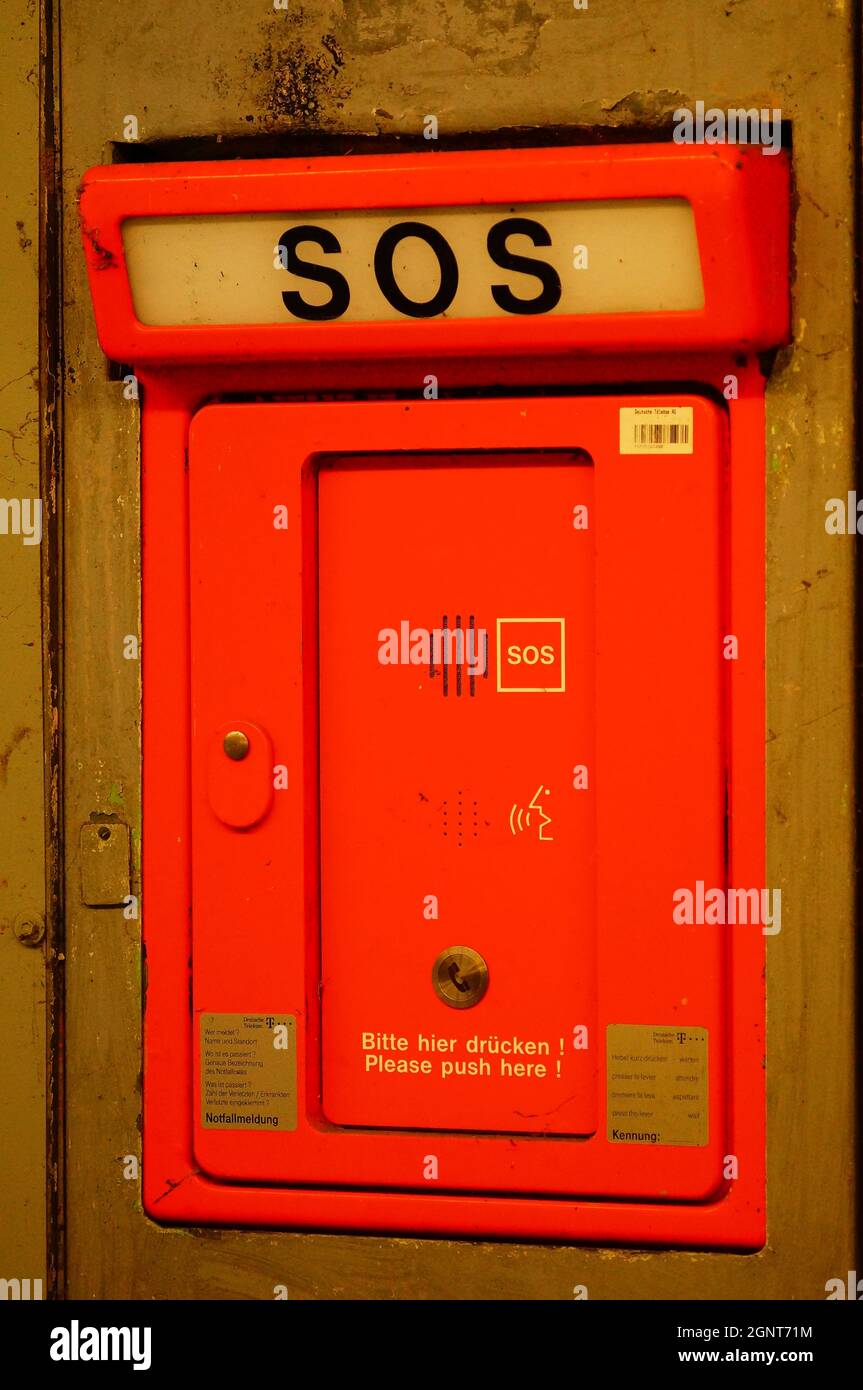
(531, 655)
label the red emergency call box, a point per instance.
(453, 645)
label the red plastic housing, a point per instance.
(381, 818)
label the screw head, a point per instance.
(236, 745)
(460, 977)
(29, 928)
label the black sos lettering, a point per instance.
(500, 255)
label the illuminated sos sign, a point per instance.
(371, 266)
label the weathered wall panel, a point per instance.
(22, 768)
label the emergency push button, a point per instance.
(460, 977)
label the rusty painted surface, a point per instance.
(22, 807)
(381, 66)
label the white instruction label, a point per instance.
(656, 429)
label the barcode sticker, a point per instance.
(656, 429)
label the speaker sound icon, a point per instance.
(520, 816)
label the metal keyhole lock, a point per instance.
(460, 977)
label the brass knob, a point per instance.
(236, 745)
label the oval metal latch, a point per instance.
(240, 774)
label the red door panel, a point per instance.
(540, 804)
(457, 691)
